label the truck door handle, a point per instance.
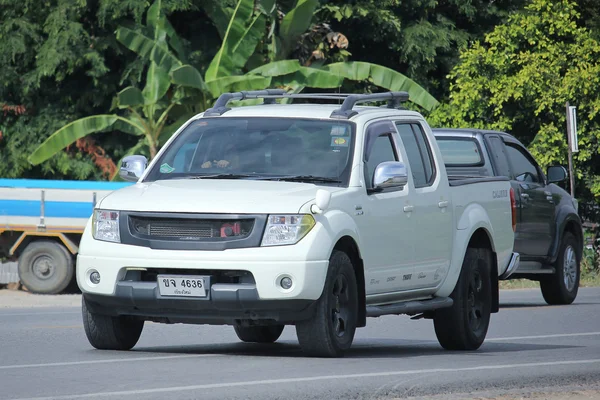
(408, 208)
(443, 204)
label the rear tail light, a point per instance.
(513, 207)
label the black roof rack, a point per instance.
(344, 112)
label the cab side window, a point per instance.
(524, 169)
(382, 150)
(418, 152)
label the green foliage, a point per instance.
(519, 79)
(420, 38)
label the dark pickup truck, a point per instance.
(549, 235)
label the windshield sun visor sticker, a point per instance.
(339, 142)
(339, 130)
(166, 168)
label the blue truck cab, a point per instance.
(41, 223)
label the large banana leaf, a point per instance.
(242, 35)
(311, 77)
(277, 68)
(130, 97)
(69, 133)
(268, 6)
(237, 83)
(189, 76)
(157, 84)
(386, 78)
(297, 21)
(147, 48)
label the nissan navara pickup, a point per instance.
(314, 215)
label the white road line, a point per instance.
(108, 361)
(38, 313)
(172, 389)
(541, 336)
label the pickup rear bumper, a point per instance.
(513, 265)
(224, 304)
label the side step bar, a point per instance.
(409, 307)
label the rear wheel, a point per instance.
(464, 325)
(331, 330)
(111, 333)
(563, 285)
(258, 334)
(45, 267)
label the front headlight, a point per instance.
(105, 225)
(287, 229)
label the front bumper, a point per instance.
(224, 304)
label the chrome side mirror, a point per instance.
(390, 174)
(556, 173)
(132, 167)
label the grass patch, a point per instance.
(588, 279)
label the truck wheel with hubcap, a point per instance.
(464, 325)
(562, 286)
(258, 334)
(331, 329)
(110, 333)
(45, 267)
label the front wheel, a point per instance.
(331, 330)
(562, 286)
(111, 333)
(464, 325)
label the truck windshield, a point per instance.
(292, 149)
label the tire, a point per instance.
(320, 336)
(258, 334)
(110, 333)
(464, 325)
(561, 288)
(45, 267)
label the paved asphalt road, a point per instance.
(530, 346)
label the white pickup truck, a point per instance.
(313, 215)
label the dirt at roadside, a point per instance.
(583, 394)
(21, 299)
(571, 395)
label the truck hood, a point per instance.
(214, 196)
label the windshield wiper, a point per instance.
(222, 176)
(308, 178)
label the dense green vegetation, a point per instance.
(130, 71)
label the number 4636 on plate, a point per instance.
(182, 285)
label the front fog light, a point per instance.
(286, 282)
(95, 277)
(287, 229)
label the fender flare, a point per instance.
(564, 216)
(68, 243)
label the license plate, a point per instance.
(182, 285)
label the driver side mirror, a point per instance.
(390, 174)
(556, 173)
(132, 167)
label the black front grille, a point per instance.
(189, 229)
